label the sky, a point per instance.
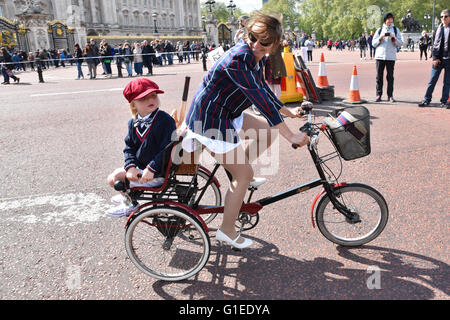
(245, 5)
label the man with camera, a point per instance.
(386, 40)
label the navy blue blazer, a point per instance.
(233, 84)
(144, 146)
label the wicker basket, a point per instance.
(190, 167)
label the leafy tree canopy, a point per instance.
(347, 19)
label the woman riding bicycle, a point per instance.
(216, 117)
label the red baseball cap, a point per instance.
(140, 88)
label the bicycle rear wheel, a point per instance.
(364, 201)
(167, 243)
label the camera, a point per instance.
(387, 34)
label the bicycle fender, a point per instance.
(337, 185)
(171, 204)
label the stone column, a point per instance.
(181, 14)
(233, 23)
(94, 12)
(109, 15)
(38, 35)
(212, 33)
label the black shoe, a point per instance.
(378, 99)
(424, 103)
(391, 99)
(444, 105)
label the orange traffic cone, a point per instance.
(322, 78)
(354, 96)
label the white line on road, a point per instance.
(74, 92)
(64, 209)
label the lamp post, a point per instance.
(432, 21)
(210, 3)
(231, 7)
(155, 15)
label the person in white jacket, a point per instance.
(386, 40)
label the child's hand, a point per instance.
(147, 176)
(132, 174)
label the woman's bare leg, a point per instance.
(256, 127)
(242, 174)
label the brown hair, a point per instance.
(273, 29)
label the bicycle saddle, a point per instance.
(256, 182)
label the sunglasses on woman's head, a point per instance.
(253, 38)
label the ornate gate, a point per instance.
(224, 34)
(13, 35)
(60, 35)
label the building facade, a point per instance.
(116, 20)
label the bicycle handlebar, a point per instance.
(307, 127)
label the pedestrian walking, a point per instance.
(78, 60)
(386, 40)
(128, 58)
(186, 48)
(138, 60)
(148, 54)
(90, 58)
(7, 67)
(424, 41)
(362, 46)
(371, 47)
(119, 60)
(440, 61)
(107, 53)
(310, 45)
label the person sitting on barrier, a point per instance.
(233, 84)
(149, 131)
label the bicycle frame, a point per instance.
(253, 208)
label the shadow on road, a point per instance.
(262, 273)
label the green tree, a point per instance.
(220, 11)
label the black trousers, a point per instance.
(389, 65)
(423, 50)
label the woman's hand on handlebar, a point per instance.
(299, 139)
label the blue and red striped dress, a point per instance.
(233, 84)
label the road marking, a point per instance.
(74, 92)
(63, 209)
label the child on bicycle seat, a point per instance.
(149, 132)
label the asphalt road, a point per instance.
(59, 141)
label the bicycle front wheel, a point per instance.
(167, 243)
(364, 201)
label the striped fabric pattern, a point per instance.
(233, 84)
